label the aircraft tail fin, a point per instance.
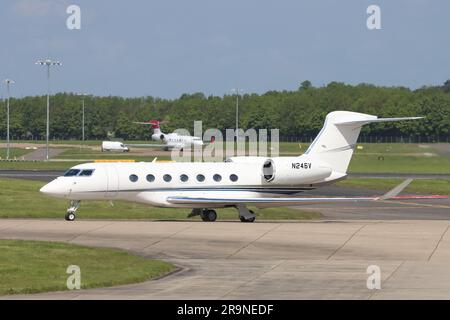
(154, 123)
(336, 141)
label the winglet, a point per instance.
(395, 191)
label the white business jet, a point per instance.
(169, 140)
(239, 182)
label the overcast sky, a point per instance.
(169, 47)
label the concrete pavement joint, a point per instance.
(251, 242)
(168, 237)
(375, 292)
(257, 276)
(90, 231)
(438, 243)
(343, 245)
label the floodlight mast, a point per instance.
(237, 91)
(8, 82)
(83, 95)
(48, 63)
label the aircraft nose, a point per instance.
(49, 188)
(52, 189)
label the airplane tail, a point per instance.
(336, 141)
(155, 126)
(154, 123)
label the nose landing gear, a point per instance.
(71, 211)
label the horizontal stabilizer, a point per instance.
(367, 121)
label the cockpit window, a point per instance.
(86, 173)
(71, 173)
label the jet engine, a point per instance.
(294, 170)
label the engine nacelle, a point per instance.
(294, 171)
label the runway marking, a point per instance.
(429, 205)
(252, 242)
(438, 243)
(343, 245)
(415, 206)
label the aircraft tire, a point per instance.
(212, 215)
(209, 215)
(70, 216)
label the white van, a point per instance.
(114, 146)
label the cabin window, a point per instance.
(150, 178)
(71, 173)
(184, 178)
(167, 178)
(200, 178)
(86, 173)
(217, 177)
(233, 177)
(133, 178)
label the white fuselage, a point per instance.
(174, 140)
(153, 183)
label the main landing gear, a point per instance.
(245, 215)
(71, 211)
(209, 215)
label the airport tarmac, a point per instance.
(326, 259)
(282, 260)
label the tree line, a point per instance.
(295, 113)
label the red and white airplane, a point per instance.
(239, 182)
(169, 141)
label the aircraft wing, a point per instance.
(148, 145)
(205, 201)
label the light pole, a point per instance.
(48, 63)
(82, 117)
(8, 83)
(237, 91)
